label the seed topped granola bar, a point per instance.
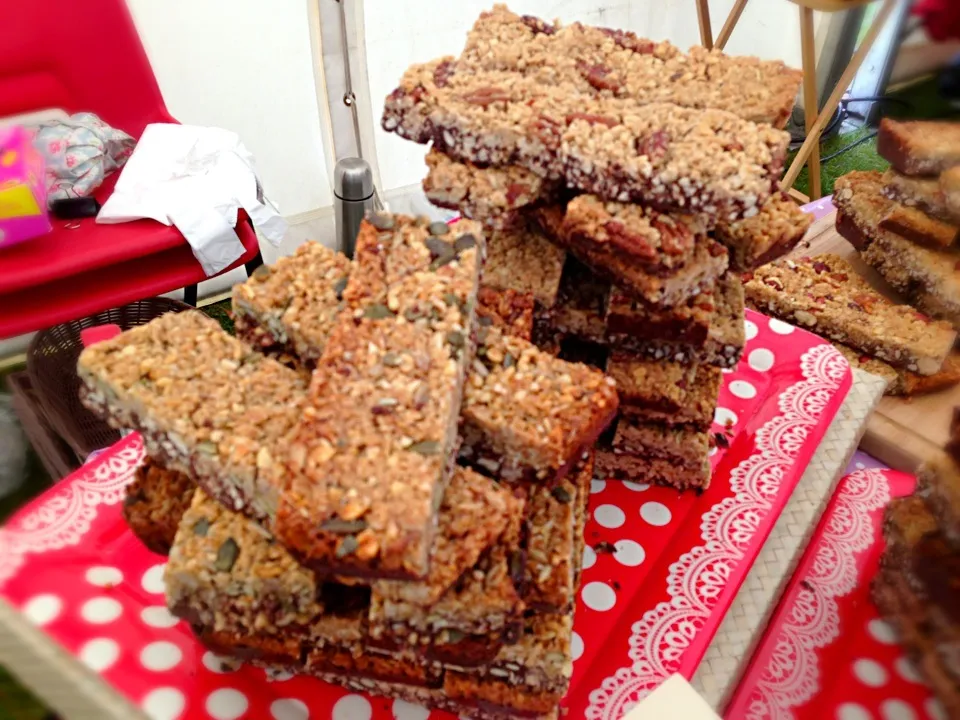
(528, 414)
(491, 195)
(904, 382)
(206, 404)
(668, 156)
(620, 64)
(769, 234)
(522, 259)
(509, 310)
(296, 301)
(919, 147)
(825, 294)
(365, 469)
(154, 503)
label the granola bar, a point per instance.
(205, 403)
(528, 414)
(774, 231)
(919, 147)
(491, 195)
(904, 382)
(919, 227)
(531, 675)
(679, 446)
(365, 469)
(641, 469)
(668, 156)
(522, 259)
(657, 258)
(725, 337)
(923, 193)
(671, 393)
(687, 323)
(580, 307)
(481, 606)
(296, 301)
(825, 294)
(154, 503)
(554, 539)
(624, 65)
(509, 310)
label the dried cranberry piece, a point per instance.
(654, 146)
(443, 73)
(539, 27)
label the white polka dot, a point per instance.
(275, 675)
(158, 616)
(160, 656)
(935, 710)
(882, 631)
(402, 710)
(742, 389)
(99, 654)
(870, 672)
(219, 664)
(289, 709)
(859, 466)
(780, 327)
(852, 711)
(597, 486)
(226, 704)
(610, 516)
(589, 557)
(43, 609)
(907, 670)
(164, 704)
(635, 486)
(655, 513)
(712, 451)
(598, 596)
(750, 329)
(896, 710)
(103, 576)
(101, 610)
(724, 417)
(352, 707)
(760, 359)
(576, 645)
(629, 553)
(152, 580)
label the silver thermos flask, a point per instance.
(353, 197)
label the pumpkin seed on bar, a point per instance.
(347, 546)
(561, 494)
(377, 311)
(381, 221)
(343, 527)
(438, 228)
(425, 447)
(201, 527)
(465, 242)
(227, 555)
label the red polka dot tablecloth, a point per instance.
(660, 568)
(826, 654)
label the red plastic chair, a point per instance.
(85, 55)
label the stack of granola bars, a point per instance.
(919, 578)
(623, 183)
(327, 526)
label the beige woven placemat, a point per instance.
(742, 628)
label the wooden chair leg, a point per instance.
(703, 17)
(810, 100)
(732, 19)
(813, 134)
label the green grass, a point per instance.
(862, 157)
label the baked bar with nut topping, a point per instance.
(509, 310)
(919, 147)
(206, 404)
(154, 503)
(938, 479)
(671, 393)
(825, 295)
(923, 193)
(491, 195)
(580, 307)
(522, 259)
(725, 336)
(687, 323)
(950, 187)
(774, 231)
(297, 301)
(365, 469)
(612, 238)
(678, 445)
(903, 382)
(670, 157)
(528, 414)
(919, 227)
(621, 64)
(641, 469)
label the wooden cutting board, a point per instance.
(902, 432)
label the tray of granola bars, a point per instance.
(828, 652)
(658, 568)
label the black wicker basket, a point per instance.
(52, 367)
